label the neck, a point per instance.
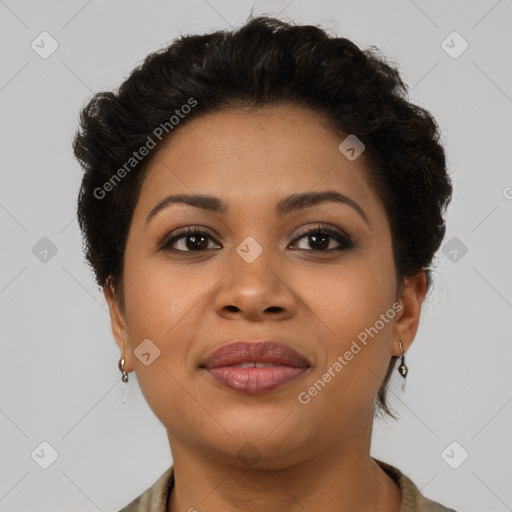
(344, 477)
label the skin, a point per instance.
(309, 457)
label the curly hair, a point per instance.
(264, 62)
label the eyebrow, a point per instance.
(285, 206)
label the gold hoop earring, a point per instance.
(124, 378)
(402, 369)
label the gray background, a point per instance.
(59, 377)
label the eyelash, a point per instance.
(344, 241)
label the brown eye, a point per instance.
(319, 239)
(322, 239)
(188, 240)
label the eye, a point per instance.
(194, 239)
(190, 240)
(320, 237)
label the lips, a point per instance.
(241, 352)
(253, 368)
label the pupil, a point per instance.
(321, 245)
(195, 239)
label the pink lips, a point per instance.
(253, 368)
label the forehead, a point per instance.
(252, 157)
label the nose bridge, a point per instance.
(254, 285)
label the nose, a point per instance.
(255, 291)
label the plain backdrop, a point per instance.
(59, 380)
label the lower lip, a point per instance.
(254, 381)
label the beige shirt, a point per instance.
(155, 499)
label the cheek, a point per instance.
(355, 325)
(159, 299)
(162, 306)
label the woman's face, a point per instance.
(254, 276)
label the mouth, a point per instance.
(253, 368)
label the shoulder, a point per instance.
(412, 498)
(153, 499)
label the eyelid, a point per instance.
(320, 226)
(331, 230)
(181, 232)
(344, 240)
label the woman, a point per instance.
(261, 208)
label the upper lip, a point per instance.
(264, 351)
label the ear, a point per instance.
(118, 323)
(413, 293)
